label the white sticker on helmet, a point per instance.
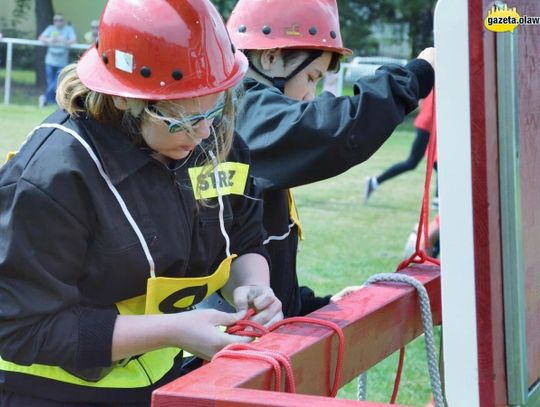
(123, 61)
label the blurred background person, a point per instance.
(423, 125)
(91, 36)
(59, 36)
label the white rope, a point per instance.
(427, 322)
(221, 206)
(362, 387)
(282, 237)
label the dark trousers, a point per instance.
(51, 73)
(418, 150)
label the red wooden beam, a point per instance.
(224, 397)
(376, 321)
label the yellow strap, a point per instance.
(159, 289)
(10, 155)
(293, 213)
(232, 180)
(151, 366)
(138, 372)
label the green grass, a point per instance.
(346, 242)
(20, 76)
(16, 122)
(23, 90)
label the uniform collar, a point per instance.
(119, 156)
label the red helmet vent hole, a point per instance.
(146, 72)
(177, 75)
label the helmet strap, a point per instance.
(280, 81)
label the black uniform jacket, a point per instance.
(294, 143)
(68, 253)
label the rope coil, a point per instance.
(277, 359)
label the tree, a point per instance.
(416, 16)
(224, 7)
(355, 21)
(44, 15)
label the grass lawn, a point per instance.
(346, 242)
(365, 240)
(23, 90)
(16, 122)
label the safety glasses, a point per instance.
(187, 122)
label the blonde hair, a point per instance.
(76, 99)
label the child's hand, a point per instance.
(428, 54)
(262, 299)
(345, 292)
(198, 331)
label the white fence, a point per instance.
(360, 66)
(9, 59)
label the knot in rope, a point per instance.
(277, 359)
(427, 322)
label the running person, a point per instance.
(423, 125)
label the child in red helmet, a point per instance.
(124, 210)
(296, 138)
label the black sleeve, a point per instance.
(294, 143)
(247, 232)
(42, 250)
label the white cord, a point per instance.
(113, 189)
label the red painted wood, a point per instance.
(486, 209)
(376, 321)
(224, 397)
(485, 169)
(529, 128)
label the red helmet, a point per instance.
(267, 24)
(161, 49)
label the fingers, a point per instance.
(263, 299)
(224, 318)
(428, 54)
(241, 298)
(267, 316)
(277, 317)
(257, 297)
(229, 339)
(345, 292)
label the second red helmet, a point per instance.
(268, 24)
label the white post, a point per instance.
(340, 81)
(455, 191)
(9, 63)
(9, 59)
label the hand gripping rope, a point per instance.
(418, 257)
(276, 358)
